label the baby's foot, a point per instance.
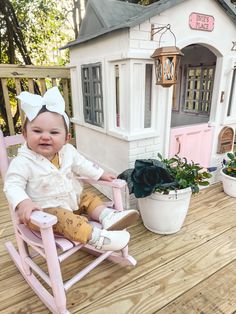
(109, 240)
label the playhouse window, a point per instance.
(232, 97)
(117, 87)
(92, 94)
(148, 96)
(198, 92)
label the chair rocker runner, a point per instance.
(53, 249)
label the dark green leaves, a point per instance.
(230, 165)
(185, 174)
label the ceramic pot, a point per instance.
(229, 184)
(165, 214)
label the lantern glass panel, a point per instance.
(169, 69)
(158, 69)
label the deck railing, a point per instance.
(35, 79)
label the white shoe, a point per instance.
(111, 240)
(119, 220)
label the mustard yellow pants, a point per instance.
(71, 224)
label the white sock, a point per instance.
(104, 213)
(95, 235)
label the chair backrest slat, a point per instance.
(5, 143)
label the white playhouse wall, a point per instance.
(111, 147)
(116, 149)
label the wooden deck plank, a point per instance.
(163, 250)
(163, 284)
(217, 295)
(171, 269)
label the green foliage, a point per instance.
(184, 174)
(143, 2)
(229, 166)
(45, 29)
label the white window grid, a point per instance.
(198, 91)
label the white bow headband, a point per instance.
(31, 104)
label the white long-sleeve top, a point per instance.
(33, 176)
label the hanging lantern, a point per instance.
(167, 60)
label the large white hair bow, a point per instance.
(31, 104)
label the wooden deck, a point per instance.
(193, 271)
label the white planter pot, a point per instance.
(165, 214)
(229, 184)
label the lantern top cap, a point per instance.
(168, 50)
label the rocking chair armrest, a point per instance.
(116, 183)
(42, 220)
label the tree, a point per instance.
(77, 8)
(32, 31)
(11, 36)
(32, 28)
(143, 2)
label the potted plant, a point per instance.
(165, 209)
(228, 174)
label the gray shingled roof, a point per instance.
(105, 16)
(229, 8)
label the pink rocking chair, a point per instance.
(49, 246)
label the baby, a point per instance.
(43, 176)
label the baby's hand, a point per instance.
(24, 210)
(107, 177)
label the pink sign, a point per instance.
(201, 22)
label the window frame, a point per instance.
(232, 92)
(202, 101)
(92, 98)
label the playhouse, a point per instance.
(121, 115)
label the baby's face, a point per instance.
(46, 134)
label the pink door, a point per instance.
(193, 142)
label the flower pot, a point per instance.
(165, 214)
(229, 184)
